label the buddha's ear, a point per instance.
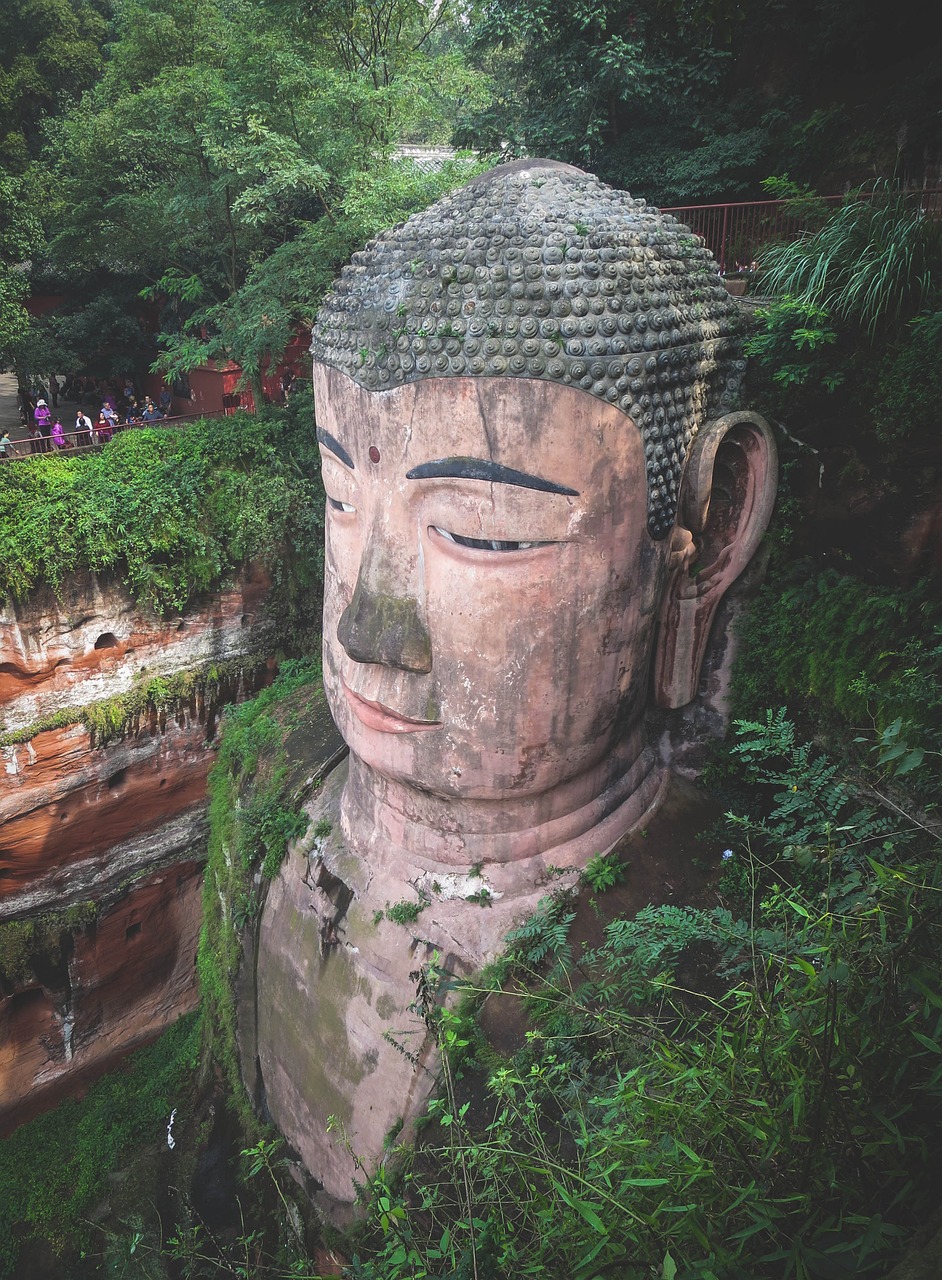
(726, 501)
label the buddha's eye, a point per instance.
(485, 544)
(336, 505)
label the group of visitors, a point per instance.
(120, 406)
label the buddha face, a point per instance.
(491, 588)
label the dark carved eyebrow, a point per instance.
(328, 441)
(481, 469)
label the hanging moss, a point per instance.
(41, 936)
(256, 790)
(172, 695)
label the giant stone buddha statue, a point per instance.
(539, 488)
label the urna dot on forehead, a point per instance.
(538, 270)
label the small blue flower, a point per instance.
(727, 854)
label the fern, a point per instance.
(813, 806)
(544, 933)
(655, 938)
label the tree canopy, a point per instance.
(226, 160)
(220, 159)
(689, 101)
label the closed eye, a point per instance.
(485, 544)
(336, 505)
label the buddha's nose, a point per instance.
(382, 624)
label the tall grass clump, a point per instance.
(874, 264)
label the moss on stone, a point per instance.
(113, 718)
(40, 937)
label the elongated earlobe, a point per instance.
(726, 502)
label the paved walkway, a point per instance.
(9, 413)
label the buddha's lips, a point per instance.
(375, 716)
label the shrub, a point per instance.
(779, 1118)
(172, 512)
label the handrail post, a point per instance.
(723, 244)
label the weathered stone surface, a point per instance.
(70, 804)
(524, 551)
(96, 642)
(538, 270)
(70, 809)
(84, 822)
(124, 982)
(335, 979)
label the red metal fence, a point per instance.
(736, 233)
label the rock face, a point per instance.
(95, 643)
(115, 987)
(120, 825)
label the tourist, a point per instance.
(27, 404)
(58, 436)
(37, 441)
(42, 416)
(165, 401)
(151, 414)
(103, 429)
(54, 389)
(7, 447)
(83, 427)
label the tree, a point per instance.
(240, 153)
(51, 50)
(685, 101)
(19, 231)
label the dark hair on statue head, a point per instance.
(538, 270)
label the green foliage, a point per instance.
(854, 659)
(55, 1169)
(723, 1096)
(174, 512)
(873, 264)
(19, 234)
(254, 811)
(241, 153)
(801, 200)
(696, 102)
(50, 52)
(543, 934)
(407, 912)
(40, 937)
(113, 718)
(603, 872)
(576, 83)
(909, 383)
(809, 786)
(793, 341)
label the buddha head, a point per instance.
(538, 486)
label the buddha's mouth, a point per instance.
(375, 716)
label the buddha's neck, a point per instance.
(405, 833)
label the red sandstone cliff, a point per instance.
(121, 825)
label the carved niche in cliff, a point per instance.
(539, 487)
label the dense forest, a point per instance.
(221, 159)
(744, 1085)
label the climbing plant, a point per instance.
(173, 513)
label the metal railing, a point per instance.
(84, 441)
(736, 233)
